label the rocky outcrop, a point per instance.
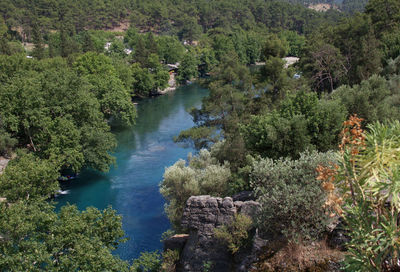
(3, 164)
(201, 216)
(201, 251)
(176, 242)
(244, 196)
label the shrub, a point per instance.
(6, 143)
(375, 99)
(368, 178)
(170, 259)
(28, 177)
(303, 122)
(236, 233)
(147, 262)
(203, 175)
(292, 202)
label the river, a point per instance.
(142, 154)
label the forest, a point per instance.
(322, 136)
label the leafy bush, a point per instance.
(302, 122)
(28, 177)
(6, 143)
(203, 175)
(292, 201)
(39, 238)
(368, 179)
(375, 99)
(147, 262)
(170, 259)
(236, 233)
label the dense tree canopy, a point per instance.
(34, 237)
(266, 125)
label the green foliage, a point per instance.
(170, 49)
(353, 6)
(325, 65)
(34, 237)
(147, 262)
(302, 122)
(203, 175)
(275, 136)
(367, 178)
(7, 143)
(170, 260)
(292, 200)
(28, 177)
(200, 136)
(207, 266)
(274, 47)
(385, 14)
(375, 99)
(294, 42)
(142, 80)
(236, 234)
(53, 112)
(188, 68)
(114, 98)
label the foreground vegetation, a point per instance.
(266, 130)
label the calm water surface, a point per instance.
(142, 154)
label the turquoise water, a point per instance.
(142, 154)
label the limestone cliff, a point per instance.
(200, 248)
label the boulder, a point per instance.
(244, 196)
(176, 242)
(201, 216)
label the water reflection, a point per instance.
(142, 154)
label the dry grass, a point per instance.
(314, 257)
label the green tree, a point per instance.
(141, 53)
(114, 98)
(38, 50)
(188, 68)
(385, 14)
(56, 115)
(301, 122)
(299, 213)
(147, 262)
(7, 143)
(143, 82)
(190, 29)
(34, 237)
(373, 100)
(203, 175)
(28, 177)
(170, 49)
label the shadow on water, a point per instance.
(142, 154)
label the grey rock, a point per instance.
(249, 208)
(176, 242)
(244, 196)
(201, 216)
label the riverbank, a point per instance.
(142, 153)
(171, 85)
